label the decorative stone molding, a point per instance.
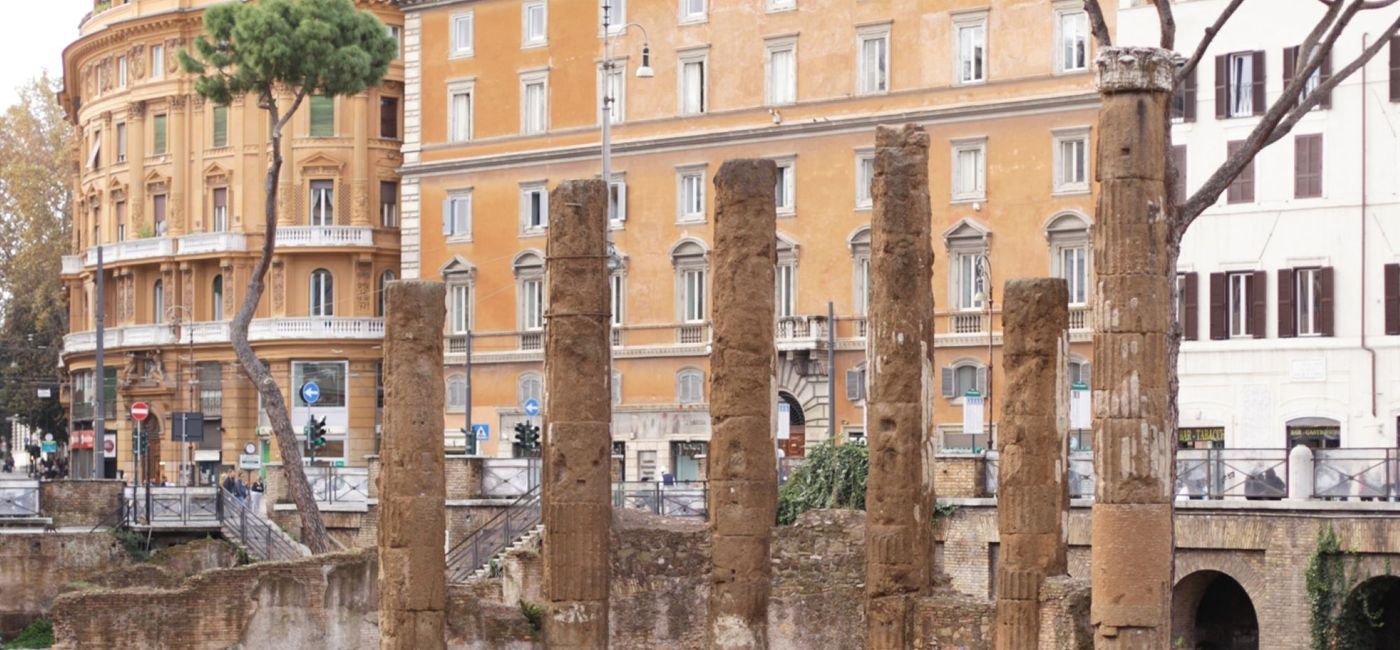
(136, 109)
(1136, 69)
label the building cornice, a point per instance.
(1078, 101)
(420, 5)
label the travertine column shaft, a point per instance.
(1032, 495)
(743, 461)
(577, 440)
(899, 492)
(1134, 270)
(412, 483)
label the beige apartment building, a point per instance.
(503, 101)
(171, 190)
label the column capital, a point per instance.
(1136, 69)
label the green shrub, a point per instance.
(39, 634)
(134, 544)
(831, 477)
(534, 613)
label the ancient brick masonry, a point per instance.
(899, 494)
(412, 490)
(1033, 496)
(743, 463)
(1134, 270)
(577, 442)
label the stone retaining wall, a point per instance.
(81, 502)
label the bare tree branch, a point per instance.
(1309, 45)
(1266, 128)
(1096, 20)
(1167, 23)
(1209, 37)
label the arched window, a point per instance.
(1068, 235)
(529, 281)
(384, 279)
(322, 293)
(962, 376)
(860, 268)
(689, 259)
(690, 386)
(529, 387)
(457, 392)
(158, 303)
(216, 306)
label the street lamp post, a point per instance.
(984, 277)
(643, 72)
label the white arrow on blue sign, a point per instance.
(532, 407)
(482, 431)
(310, 392)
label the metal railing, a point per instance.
(486, 541)
(682, 499)
(1356, 473)
(800, 327)
(261, 538)
(339, 484)
(1232, 473)
(174, 505)
(19, 498)
(315, 236)
(509, 477)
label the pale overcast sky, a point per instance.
(32, 38)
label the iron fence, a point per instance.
(681, 499)
(509, 477)
(261, 538)
(339, 484)
(19, 498)
(478, 547)
(174, 505)
(1232, 473)
(1355, 474)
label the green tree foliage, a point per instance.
(831, 477)
(38, 157)
(38, 634)
(272, 49)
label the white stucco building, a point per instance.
(1289, 282)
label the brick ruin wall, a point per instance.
(80, 502)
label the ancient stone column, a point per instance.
(577, 441)
(743, 461)
(899, 491)
(1133, 424)
(1032, 494)
(412, 484)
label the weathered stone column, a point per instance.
(1032, 495)
(412, 485)
(577, 440)
(743, 462)
(1134, 271)
(899, 492)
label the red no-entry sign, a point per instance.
(139, 411)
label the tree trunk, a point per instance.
(313, 529)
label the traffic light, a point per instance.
(138, 441)
(316, 432)
(527, 435)
(471, 440)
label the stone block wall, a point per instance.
(961, 475)
(35, 567)
(80, 502)
(464, 477)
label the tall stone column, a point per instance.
(1032, 494)
(743, 461)
(1133, 423)
(577, 440)
(899, 492)
(412, 482)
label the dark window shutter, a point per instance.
(1219, 306)
(1300, 167)
(1189, 92)
(1287, 315)
(1307, 166)
(982, 381)
(1326, 73)
(1222, 84)
(1326, 323)
(1179, 163)
(1392, 292)
(1189, 316)
(1258, 304)
(1395, 68)
(855, 384)
(1259, 77)
(1290, 62)
(949, 391)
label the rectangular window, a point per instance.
(865, 173)
(1072, 161)
(783, 296)
(211, 387)
(322, 203)
(969, 170)
(157, 61)
(616, 17)
(1184, 99)
(119, 209)
(1074, 268)
(1073, 41)
(459, 312)
(220, 136)
(617, 200)
(158, 134)
(121, 142)
(462, 34)
(613, 84)
(1317, 78)
(534, 207)
(1307, 166)
(121, 72)
(968, 281)
(873, 65)
(457, 215)
(786, 188)
(218, 201)
(389, 117)
(158, 213)
(692, 81)
(691, 195)
(532, 293)
(1308, 288)
(1242, 189)
(95, 154)
(534, 103)
(396, 33)
(533, 24)
(322, 116)
(1239, 84)
(619, 294)
(782, 71)
(693, 286)
(693, 11)
(1240, 298)
(862, 284)
(459, 121)
(388, 204)
(971, 55)
(781, 5)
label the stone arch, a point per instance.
(796, 443)
(1066, 221)
(1211, 610)
(1370, 615)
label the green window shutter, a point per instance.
(159, 126)
(220, 126)
(322, 116)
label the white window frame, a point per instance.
(527, 39)
(396, 33)
(976, 20)
(691, 12)
(617, 200)
(461, 128)
(1306, 296)
(529, 386)
(532, 303)
(459, 307)
(774, 6)
(978, 376)
(458, 200)
(617, 283)
(528, 121)
(1237, 310)
(157, 62)
(691, 287)
(617, 16)
(690, 386)
(158, 302)
(216, 294)
(121, 142)
(865, 84)
(963, 281)
(324, 290)
(619, 100)
(864, 174)
(1065, 49)
(121, 72)
(529, 223)
(326, 215)
(785, 288)
(860, 273)
(979, 190)
(219, 214)
(1239, 93)
(701, 56)
(1071, 262)
(1071, 137)
(463, 23)
(780, 91)
(456, 393)
(685, 206)
(785, 194)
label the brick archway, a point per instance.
(1211, 610)
(1370, 616)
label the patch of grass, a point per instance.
(534, 613)
(39, 634)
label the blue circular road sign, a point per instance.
(310, 392)
(532, 407)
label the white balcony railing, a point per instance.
(789, 328)
(319, 236)
(265, 329)
(134, 249)
(208, 332)
(213, 242)
(1080, 318)
(967, 323)
(118, 337)
(72, 264)
(262, 329)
